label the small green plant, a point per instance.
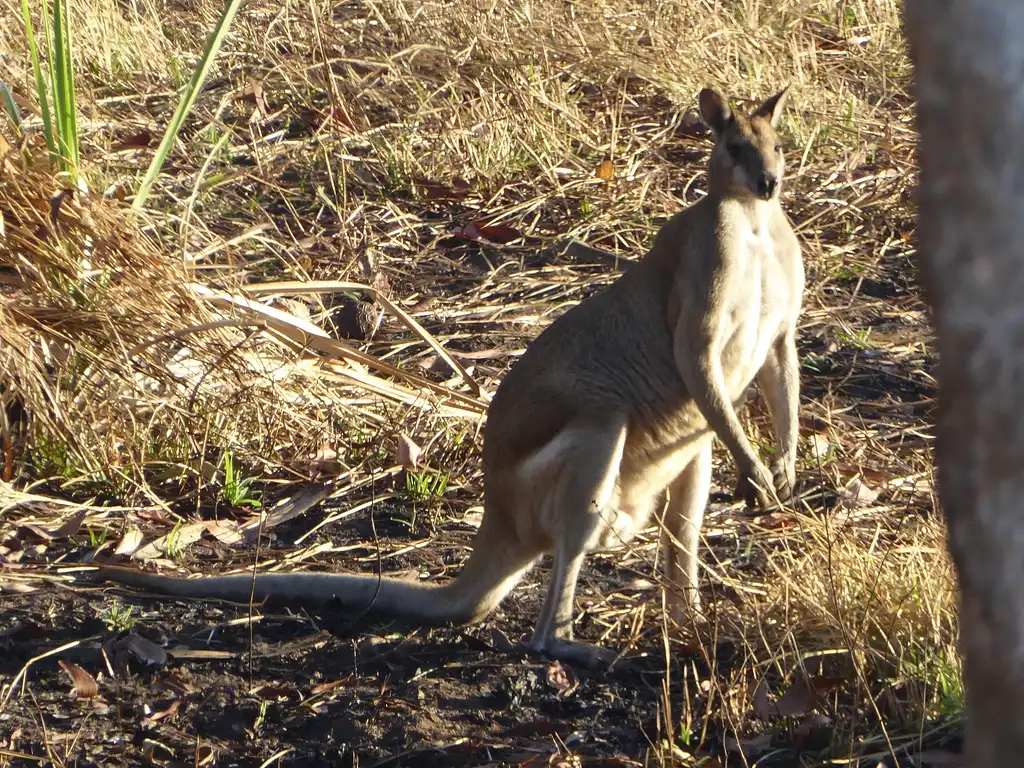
(942, 682)
(848, 272)
(10, 107)
(237, 490)
(685, 734)
(49, 457)
(261, 716)
(98, 538)
(118, 617)
(859, 338)
(173, 548)
(819, 364)
(424, 487)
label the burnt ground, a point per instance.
(325, 687)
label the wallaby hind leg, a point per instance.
(586, 471)
(684, 515)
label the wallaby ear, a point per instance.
(714, 110)
(772, 108)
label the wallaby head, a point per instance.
(747, 158)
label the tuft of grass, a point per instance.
(60, 116)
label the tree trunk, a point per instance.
(969, 69)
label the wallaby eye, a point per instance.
(778, 148)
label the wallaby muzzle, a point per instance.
(766, 185)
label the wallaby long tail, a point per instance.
(490, 573)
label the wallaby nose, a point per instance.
(766, 185)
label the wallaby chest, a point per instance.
(761, 265)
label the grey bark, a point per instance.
(968, 59)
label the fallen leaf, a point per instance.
(68, 527)
(487, 234)
(813, 723)
(85, 684)
(798, 700)
(474, 516)
(565, 761)
(135, 645)
(57, 201)
(224, 531)
(823, 684)
(316, 690)
(435, 190)
(500, 642)
(877, 476)
(858, 494)
(562, 678)
(130, 542)
(606, 171)
(341, 116)
(279, 692)
(408, 452)
(138, 140)
(819, 446)
(176, 540)
(499, 233)
(155, 752)
(774, 521)
(164, 713)
(640, 584)
(261, 103)
(759, 702)
(750, 745)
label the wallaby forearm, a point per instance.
(779, 381)
(705, 382)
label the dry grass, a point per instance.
(136, 359)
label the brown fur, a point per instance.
(616, 404)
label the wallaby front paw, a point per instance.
(784, 479)
(754, 486)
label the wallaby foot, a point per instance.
(579, 654)
(683, 612)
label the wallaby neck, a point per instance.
(759, 212)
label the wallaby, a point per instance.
(612, 410)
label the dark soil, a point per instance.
(320, 688)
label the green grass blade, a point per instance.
(37, 70)
(69, 73)
(63, 85)
(188, 98)
(10, 107)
